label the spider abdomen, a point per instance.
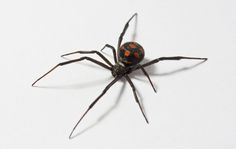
(130, 53)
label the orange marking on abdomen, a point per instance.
(127, 53)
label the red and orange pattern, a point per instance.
(130, 53)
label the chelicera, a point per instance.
(126, 60)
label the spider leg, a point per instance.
(135, 96)
(146, 74)
(93, 103)
(113, 50)
(73, 61)
(90, 52)
(124, 30)
(170, 58)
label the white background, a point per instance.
(194, 108)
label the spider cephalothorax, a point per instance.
(129, 55)
(118, 69)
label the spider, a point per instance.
(126, 60)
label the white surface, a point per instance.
(193, 109)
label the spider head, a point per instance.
(118, 69)
(130, 53)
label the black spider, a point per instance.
(129, 55)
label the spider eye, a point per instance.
(130, 53)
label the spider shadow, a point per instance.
(134, 35)
(105, 114)
(152, 71)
